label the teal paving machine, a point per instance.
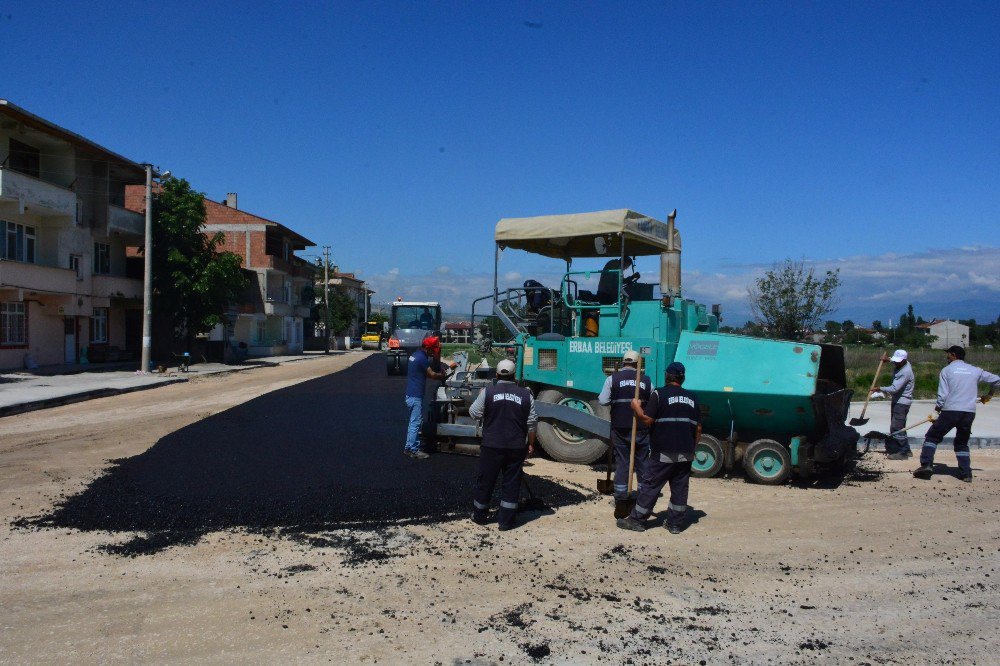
(773, 408)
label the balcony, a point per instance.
(38, 278)
(115, 286)
(126, 222)
(41, 198)
(277, 308)
(297, 268)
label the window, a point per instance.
(17, 242)
(288, 292)
(102, 259)
(261, 331)
(75, 265)
(25, 158)
(99, 325)
(13, 324)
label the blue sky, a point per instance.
(858, 135)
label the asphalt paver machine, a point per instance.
(770, 407)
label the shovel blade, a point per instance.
(605, 487)
(857, 422)
(623, 508)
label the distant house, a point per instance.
(354, 288)
(458, 331)
(270, 319)
(64, 283)
(947, 332)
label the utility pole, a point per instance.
(326, 298)
(147, 276)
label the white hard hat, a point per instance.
(898, 355)
(506, 367)
(631, 357)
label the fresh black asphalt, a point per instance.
(321, 455)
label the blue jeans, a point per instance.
(416, 407)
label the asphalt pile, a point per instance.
(321, 455)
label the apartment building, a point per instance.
(355, 289)
(63, 233)
(270, 319)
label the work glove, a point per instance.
(986, 398)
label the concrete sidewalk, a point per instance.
(985, 429)
(24, 391)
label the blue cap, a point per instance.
(675, 368)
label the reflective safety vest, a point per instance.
(622, 392)
(676, 416)
(505, 416)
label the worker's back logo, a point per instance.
(703, 348)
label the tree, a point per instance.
(878, 327)
(192, 282)
(341, 313)
(790, 300)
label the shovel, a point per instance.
(874, 434)
(605, 486)
(861, 420)
(624, 507)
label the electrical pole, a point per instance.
(147, 276)
(326, 298)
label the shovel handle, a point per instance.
(929, 419)
(635, 425)
(868, 397)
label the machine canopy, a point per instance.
(570, 236)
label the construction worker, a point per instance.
(421, 365)
(674, 420)
(618, 391)
(508, 414)
(900, 392)
(958, 386)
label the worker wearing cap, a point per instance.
(508, 414)
(958, 388)
(674, 419)
(618, 391)
(900, 392)
(420, 366)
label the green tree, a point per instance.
(340, 315)
(789, 300)
(193, 283)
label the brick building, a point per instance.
(270, 320)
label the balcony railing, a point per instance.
(114, 286)
(126, 222)
(40, 197)
(38, 277)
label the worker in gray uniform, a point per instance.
(900, 392)
(508, 414)
(674, 419)
(958, 389)
(618, 391)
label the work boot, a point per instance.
(899, 455)
(420, 455)
(408, 453)
(630, 523)
(479, 518)
(924, 472)
(674, 529)
(966, 477)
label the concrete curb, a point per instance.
(946, 444)
(69, 399)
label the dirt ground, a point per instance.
(881, 568)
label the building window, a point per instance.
(102, 259)
(261, 331)
(17, 242)
(75, 265)
(13, 324)
(99, 325)
(288, 292)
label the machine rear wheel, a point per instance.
(565, 443)
(768, 462)
(708, 457)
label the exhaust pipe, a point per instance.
(670, 261)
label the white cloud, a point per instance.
(443, 270)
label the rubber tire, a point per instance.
(778, 452)
(583, 452)
(714, 447)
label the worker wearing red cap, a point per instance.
(421, 366)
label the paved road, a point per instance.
(314, 456)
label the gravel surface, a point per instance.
(270, 516)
